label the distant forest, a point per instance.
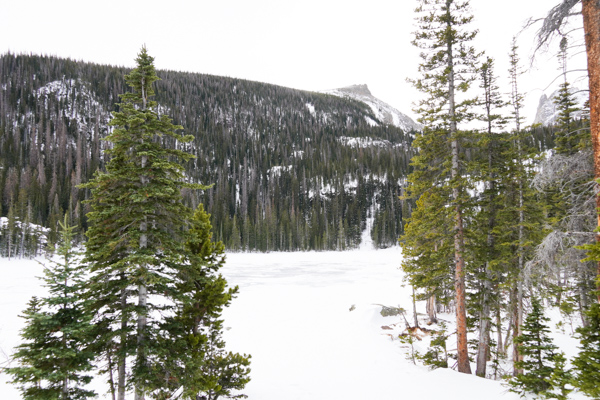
(286, 172)
(291, 170)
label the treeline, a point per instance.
(499, 222)
(288, 170)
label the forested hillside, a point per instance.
(292, 170)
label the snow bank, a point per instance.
(293, 314)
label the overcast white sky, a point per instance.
(309, 44)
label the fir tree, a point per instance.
(136, 228)
(447, 69)
(195, 357)
(542, 369)
(587, 362)
(492, 169)
(55, 357)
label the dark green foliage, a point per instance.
(153, 286)
(543, 369)
(587, 362)
(196, 358)
(559, 378)
(437, 353)
(136, 223)
(55, 356)
(270, 157)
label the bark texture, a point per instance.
(591, 26)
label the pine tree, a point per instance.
(55, 357)
(194, 352)
(522, 211)
(491, 168)
(137, 222)
(540, 363)
(447, 68)
(587, 362)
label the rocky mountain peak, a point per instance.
(362, 90)
(384, 113)
(547, 112)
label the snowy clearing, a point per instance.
(293, 316)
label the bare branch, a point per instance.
(553, 22)
(561, 75)
(563, 170)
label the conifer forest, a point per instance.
(157, 173)
(285, 173)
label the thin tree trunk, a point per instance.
(414, 300)
(111, 379)
(500, 344)
(508, 333)
(591, 26)
(142, 288)
(483, 348)
(122, 357)
(142, 301)
(517, 322)
(431, 309)
(459, 277)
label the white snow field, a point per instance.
(293, 316)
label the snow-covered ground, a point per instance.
(293, 315)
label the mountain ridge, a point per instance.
(547, 113)
(292, 170)
(385, 113)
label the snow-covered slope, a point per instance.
(383, 111)
(312, 322)
(547, 113)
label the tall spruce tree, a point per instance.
(447, 70)
(522, 210)
(136, 230)
(55, 358)
(491, 169)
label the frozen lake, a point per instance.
(293, 316)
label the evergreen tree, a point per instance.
(522, 212)
(540, 365)
(137, 222)
(587, 362)
(55, 357)
(569, 138)
(491, 168)
(194, 351)
(447, 70)
(565, 180)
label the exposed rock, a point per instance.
(384, 113)
(547, 113)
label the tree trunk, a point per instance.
(483, 348)
(414, 300)
(122, 356)
(141, 338)
(142, 288)
(142, 297)
(500, 344)
(111, 380)
(431, 309)
(459, 277)
(591, 26)
(517, 322)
